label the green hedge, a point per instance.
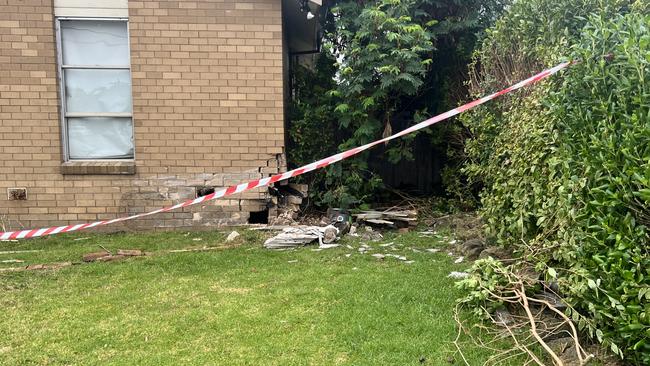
(565, 166)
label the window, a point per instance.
(96, 89)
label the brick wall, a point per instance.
(207, 111)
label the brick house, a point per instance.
(115, 107)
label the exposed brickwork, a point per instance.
(207, 110)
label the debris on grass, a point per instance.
(232, 236)
(12, 261)
(400, 218)
(201, 249)
(459, 259)
(301, 235)
(91, 257)
(130, 252)
(328, 246)
(379, 256)
(19, 251)
(458, 275)
(107, 256)
(48, 266)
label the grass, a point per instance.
(243, 305)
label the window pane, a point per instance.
(100, 138)
(94, 42)
(98, 90)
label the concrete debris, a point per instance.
(302, 235)
(433, 250)
(409, 262)
(378, 256)
(232, 236)
(353, 231)
(459, 259)
(293, 261)
(427, 233)
(387, 244)
(370, 235)
(287, 199)
(349, 246)
(348, 255)
(328, 246)
(400, 257)
(458, 275)
(197, 239)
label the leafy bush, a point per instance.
(398, 62)
(565, 166)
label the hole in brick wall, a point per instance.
(17, 194)
(259, 217)
(204, 191)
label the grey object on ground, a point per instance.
(302, 235)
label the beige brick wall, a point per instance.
(207, 110)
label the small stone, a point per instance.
(232, 236)
(433, 250)
(293, 261)
(197, 239)
(353, 230)
(379, 256)
(503, 317)
(459, 259)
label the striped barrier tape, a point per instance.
(33, 233)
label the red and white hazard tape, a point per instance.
(33, 233)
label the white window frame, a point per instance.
(63, 99)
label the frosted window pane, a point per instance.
(100, 138)
(98, 90)
(88, 42)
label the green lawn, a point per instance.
(237, 306)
